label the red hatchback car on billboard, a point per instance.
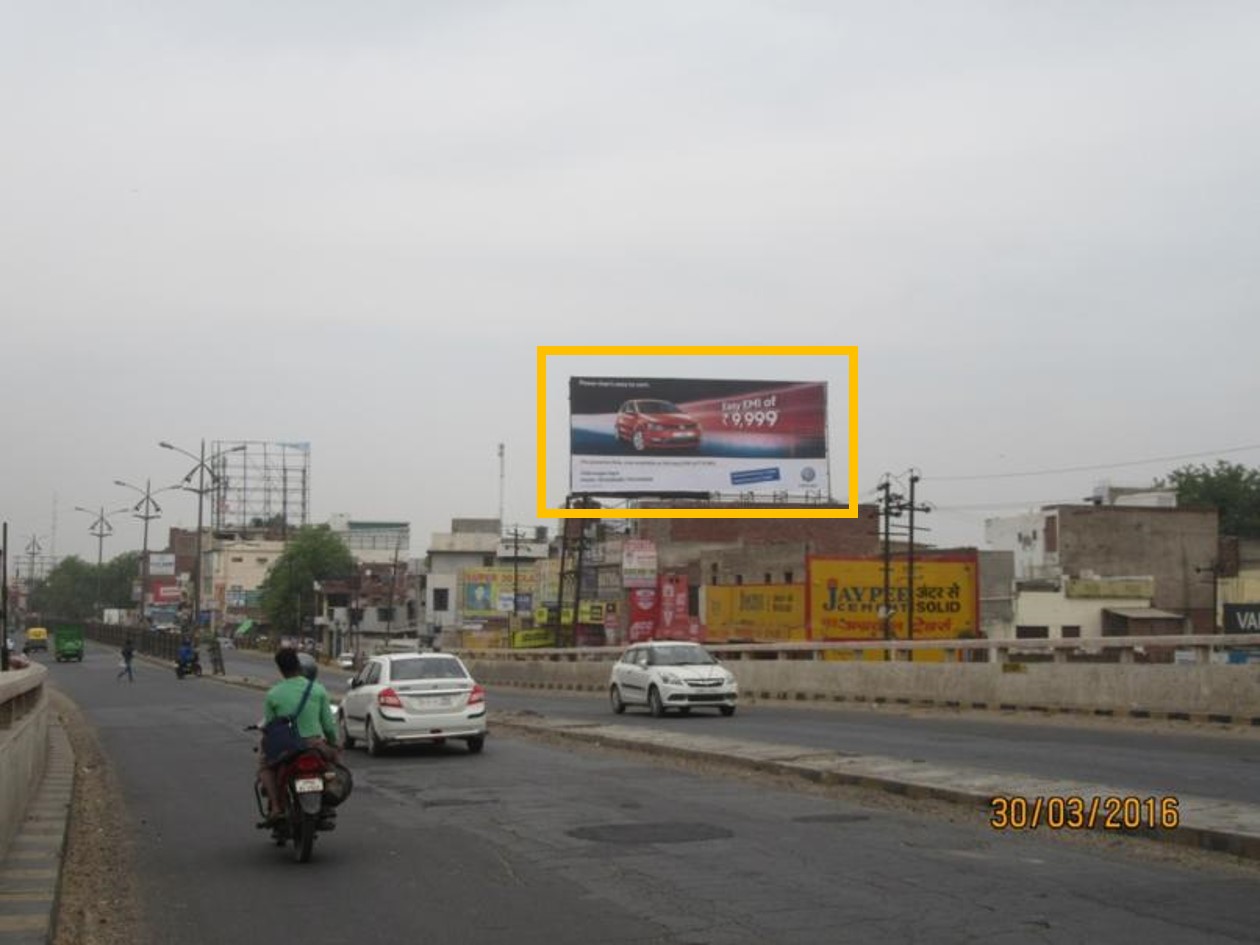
(656, 424)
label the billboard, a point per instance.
(638, 562)
(646, 435)
(760, 613)
(161, 564)
(846, 597)
(489, 592)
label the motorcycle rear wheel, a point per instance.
(303, 829)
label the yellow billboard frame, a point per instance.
(847, 351)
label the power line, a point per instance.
(1094, 467)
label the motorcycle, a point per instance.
(312, 787)
(188, 667)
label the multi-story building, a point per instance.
(471, 543)
(380, 543)
(1174, 549)
(234, 566)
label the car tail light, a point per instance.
(388, 697)
(478, 694)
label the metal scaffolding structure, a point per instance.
(259, 483)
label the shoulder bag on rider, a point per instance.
(280, 736)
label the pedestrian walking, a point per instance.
(127, 654)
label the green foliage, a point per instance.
(1231, 488)
(69, 591)
(314, 554)
(117, 577)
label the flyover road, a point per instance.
(1148, 758)
(532, 843)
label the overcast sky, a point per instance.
(351, 224)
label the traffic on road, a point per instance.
(537, 841)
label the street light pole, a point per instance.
(200, 470)
(100, 529)
(145, 510)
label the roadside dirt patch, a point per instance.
(99, 902)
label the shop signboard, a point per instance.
(846, 597)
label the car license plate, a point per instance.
(432, 702)
(307, 785)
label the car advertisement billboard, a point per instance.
(846, 597)
(648, 435)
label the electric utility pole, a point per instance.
(911, 508)
(890, 507)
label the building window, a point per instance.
(739, 579)
(487, 561)
(1071, 633)
(1032, 633)
(693, 601)
(769, 579)
(260, 561)
(787, 577)
(238, 560)
(384, 614)
(713, 573)
(1052, 533)
(441, 598)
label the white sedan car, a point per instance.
(400, 698)
(667, 675)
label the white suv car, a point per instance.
(667, 675)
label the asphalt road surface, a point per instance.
(533, 843)
(1147, 758)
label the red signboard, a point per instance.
(164, 592)
(674, 623)
(643, 613)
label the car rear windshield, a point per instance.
(427, 669)
(682, 656)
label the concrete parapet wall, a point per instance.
(23, 745)
(1231, 692)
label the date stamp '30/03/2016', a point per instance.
(1075, 812)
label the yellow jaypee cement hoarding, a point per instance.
(846, 597)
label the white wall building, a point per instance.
(373, 542)
(1073, 609)
(235, 569)
(471, 543)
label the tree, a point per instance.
(1231, 488)
(67, 591)
(70, 588)
(313, 554)
(118, 576)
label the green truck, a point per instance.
(68, 643)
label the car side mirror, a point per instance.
(352, 683)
